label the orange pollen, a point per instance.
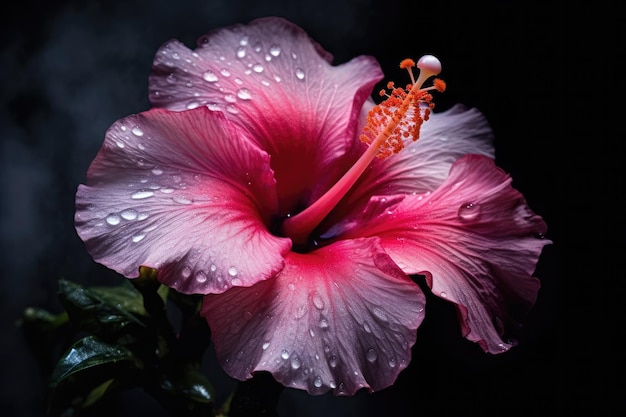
(407, 63)
(400, 116)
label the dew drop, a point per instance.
(232, 271)
(469, 211)
(236, 282)
(332, 361)
(238, 81)
(277, 78)
(213, 106)
(171, 79)
(243, 41)
(371, 355)
(129, 214)
(201, 276)
(192, 105)
(258, 68)
(113, 219)
(241, 52)
(120, 144)
(318, 302)
(258, 47)
(186, 272)
(244, 94)
(274, 50)
(213, 267)
(139, 237)
(225, 72)
(324, 323)
(182, 200)
(443, 294)
(295, 362)
(142, 216)
(230, 98)
(140, 195)
(209, 76)
(284, 354)
(367, 328)
(312, 332)
(157, 171)
(232, 109)
(299, 73)
(317, 381)
(265, 345)
(392, 362)
(166, 190)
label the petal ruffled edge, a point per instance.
(342, 318)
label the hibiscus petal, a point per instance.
(343, 317)
(183, 193)
(422, 166)
(474, 238)
(270, 78)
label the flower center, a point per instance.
(389, 124)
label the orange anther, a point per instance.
(407, 63)
(440, 85)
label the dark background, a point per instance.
(542, 72)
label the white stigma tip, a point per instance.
(429, 64)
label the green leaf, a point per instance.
(189, 383)
(87, 371)
(109, 313)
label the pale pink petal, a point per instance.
(271, 79)
(343, 318)
(423, 165)
(474, 238)
(183, 193)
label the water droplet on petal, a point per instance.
(139, 237)
(186, 272)
(230, 98)
(232, 271)
(241, 52)
(244, 94)
(295, 362)
(140, 195)
(275, 50)
(317, 381)
(142, 216)
(113, 219)
(332, 361)
(213, 267)
(157, 171)
(299, 73)
(182, 199)
(201, 277)
(258, 68)
(232, 109)
(129, 214)
(277, 78)
(443, 294)
(284, 354)
(393, 362)
(209, 76)
(225, 72)
(371, 355)
(265, 345)
(324, 323)
(318, 302)
(137, 131)
(243, 41)
(469, 211)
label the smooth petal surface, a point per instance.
(343, 317)
(184, 193)
(474, 238)
(270, 78)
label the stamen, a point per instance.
(389, 124)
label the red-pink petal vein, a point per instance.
(341, 318)
(184, 193)
(474, 238)
(270, 78)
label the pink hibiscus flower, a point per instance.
(253, 185)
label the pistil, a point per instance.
(389, 124)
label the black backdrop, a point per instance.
(71, 68)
